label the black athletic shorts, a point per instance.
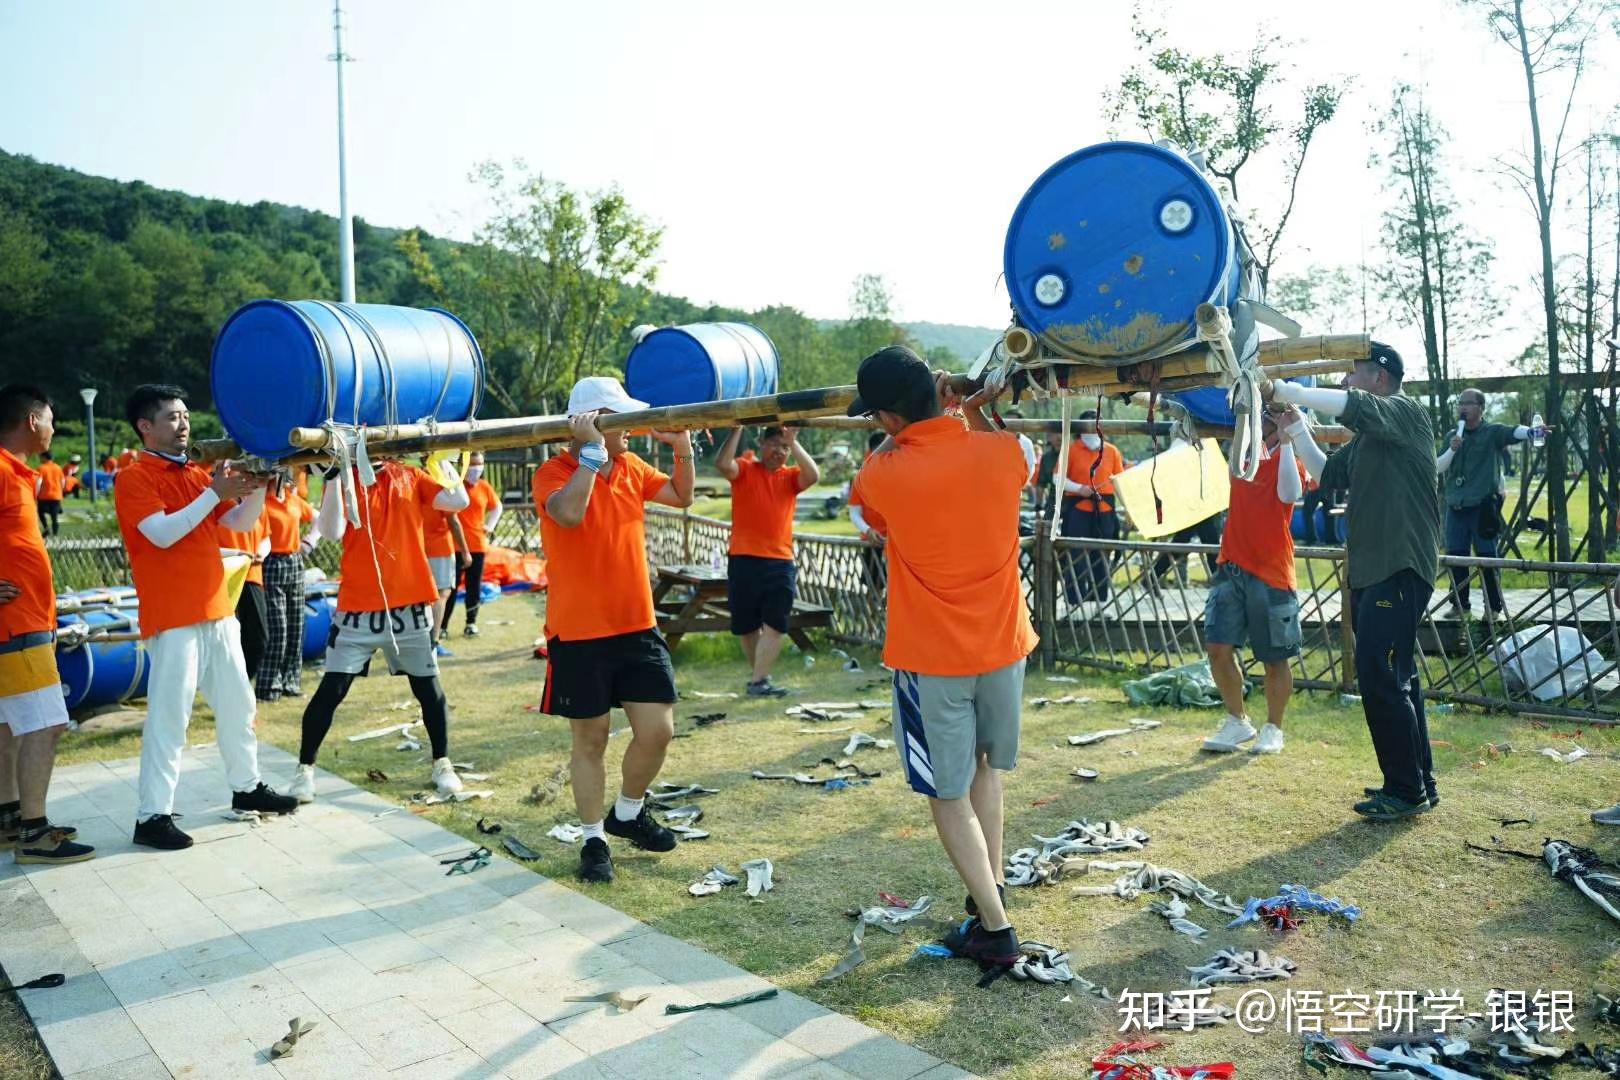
(759, 592)
(585, 679)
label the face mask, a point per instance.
(1092, 442)
(473, 473)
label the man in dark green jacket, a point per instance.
(1394, 537)
(1471, 472)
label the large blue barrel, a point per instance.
(281, 364)
(102, 673)
(683, 365)
(318, 611)
(1112, 250)
(1208, 403)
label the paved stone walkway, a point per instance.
(190, 964)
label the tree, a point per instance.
(553, 264)
(1222, 108)
(1551, 38)
(1330, 299)
(871, 298)
(1436, 270)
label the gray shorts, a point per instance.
(942, 723)
(1240, 607)
(444, 571)
(404, 635)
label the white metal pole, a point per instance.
(345, 222)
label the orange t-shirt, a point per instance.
(762, 504)
(1259, 537)
(282, 518)
(598, 570)
(180, 585)
(956, 600)
(248, 541)
(874, 520)
(481, 500)
(51, 480)
(23, 560)
(437, 542)
(109, 465)
(1108, 462)
(391, 514)
(126, 459)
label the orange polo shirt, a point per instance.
(23, 560)
(282, 518)
(248, 541)
(598, 570)
(51, 481)
(762, 504)
(180, 585)
(956, 600)
(1259, 526)
(481, 500)
(384, 563)
(436, 539)
(1096, 468)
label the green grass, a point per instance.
(1436, 915)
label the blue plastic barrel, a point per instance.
(318, 610)
(683, 365)
(102, 673)
(281, 364)
(1112, 250)
(1208, 403)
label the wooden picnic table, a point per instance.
(705, 611)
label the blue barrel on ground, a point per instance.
(684, 365)
(102, 673)
(281, 364)
(319, 607)
(1112, 249)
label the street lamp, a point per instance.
(89, 396)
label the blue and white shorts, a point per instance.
(942, 723)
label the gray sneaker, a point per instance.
(1611, 816)
(765, 688)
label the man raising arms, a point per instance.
(958, 629)
(604, 645)
(168, 509)
(760, 576)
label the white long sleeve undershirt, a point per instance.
(1310, 455)
(1321, 399)
(1289, 485)
(166, 529)
(858, 519)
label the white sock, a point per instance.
(626, 809)
(595, 831)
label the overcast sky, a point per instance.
(784, 148)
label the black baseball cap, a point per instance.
(1388, 359)
(894, 379)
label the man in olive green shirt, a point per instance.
(1394, 537)
(1471, 475)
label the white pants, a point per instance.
(204, 656)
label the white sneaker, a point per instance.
(444, 777)
(1236, 731)
(1611, 816)
(302, 787)
(1269, 742)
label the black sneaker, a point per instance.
(470, 630)
(766, 688)
(160, 832)
(595, 861)
(50, 846)
(264, 800)
(643, 832)
(997, 948)
(1433, 794)
(957, 936)
(972, 907)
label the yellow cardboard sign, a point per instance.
(237, 565)
(1192, 484)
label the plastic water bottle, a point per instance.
(717, 562)
(1538, 431)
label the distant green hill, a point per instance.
(965, 341)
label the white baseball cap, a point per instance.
(601, 392)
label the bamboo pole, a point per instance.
(1330, 434)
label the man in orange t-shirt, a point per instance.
(759, 573)
(1088, 512)
(477, 522)
(32, 713)
(1252, 597)
(385, 601)
(167, 510)
(958, 630)
(52, 483)
(252, 617)
(285, 512)
(604, 646)
(71, 482)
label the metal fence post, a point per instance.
(1045, 605)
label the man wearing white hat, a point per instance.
(602, 630)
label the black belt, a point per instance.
(31, 640)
